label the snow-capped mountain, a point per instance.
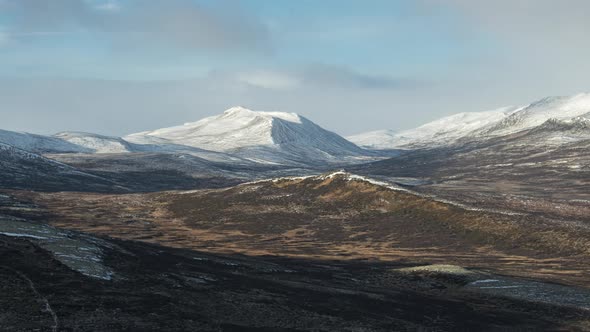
(537, 113)
(473, 126)
(236, 128)
(89, 143)
(39, 143)
(95, 143)
(65, 142)
(451, 128)
(558, 132)
(269, 137)
(376, 140)
(438, 132)
(238, 136)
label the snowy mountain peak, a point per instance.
(243, 112)
(439, 132)
(566, 113)
(237, 127)
(237, 109)
(538, 112)
(274, 137)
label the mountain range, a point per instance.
(276, 138)
(244, 145)
(572, 111)
(237, 135)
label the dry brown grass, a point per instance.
(332, 219)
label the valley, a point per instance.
(330, 217)
(294, 166)
(229, 223)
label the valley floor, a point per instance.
(335, 252)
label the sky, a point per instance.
(121, 66)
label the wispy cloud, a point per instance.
(401, 62)
(554, 27)
(122, 107)
(269, 79)
(319, 76)
(174, 24)
(340, 76)
(109, 6)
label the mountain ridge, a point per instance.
(268, 137)
(20, 169)
(474, 126)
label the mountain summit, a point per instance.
(272, 137)
(237, 127)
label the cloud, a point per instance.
(518, 50)
(176, 24)
(537, 25)
(340, 76)
(4, 38)
(123, 107)
(269, 79)
(478, 55)
(319, 76)
(109, 6)
(186, 25)
(33, 15)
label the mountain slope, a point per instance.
(75, 143)
(95, 143)
(451, 128)
(20, 169)
(377, 140)
(537, 113)
(65, 142)
(39, 143)
(436, 133)
(270, 137)
(478, 126)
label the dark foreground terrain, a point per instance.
(153, 288)
(335, 252)
(330, 253)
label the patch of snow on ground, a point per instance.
(77, 252)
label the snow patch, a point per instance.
(22, 235)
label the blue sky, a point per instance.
(119, 66)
